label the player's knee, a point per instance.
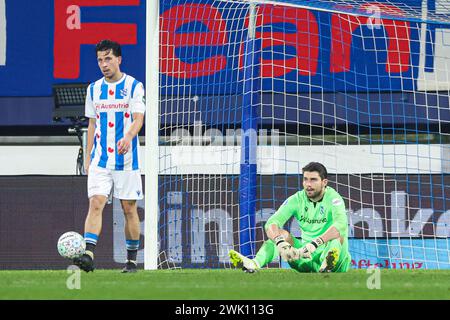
(96, 204)
(129, 207)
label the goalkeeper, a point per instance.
(320, 212)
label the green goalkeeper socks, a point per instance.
(266, 254)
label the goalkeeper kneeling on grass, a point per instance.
(320, 212)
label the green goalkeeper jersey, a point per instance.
(314, 218)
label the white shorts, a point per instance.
(127, 184)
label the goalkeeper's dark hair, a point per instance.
(317, 167)
(106, 45)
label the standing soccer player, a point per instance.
(320, 212)
(115, 106)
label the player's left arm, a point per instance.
(339, 226)
(137, 108)
(336, 231)
(331, 234)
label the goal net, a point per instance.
(248, 92)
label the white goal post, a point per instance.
(151, 136)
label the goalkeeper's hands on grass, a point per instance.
(310, 247)
(286, 251)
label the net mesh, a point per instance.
(362, 87)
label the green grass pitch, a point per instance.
(218, 284)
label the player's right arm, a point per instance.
(90, 143)
(274, 229)
(90, 113)
(274, 225)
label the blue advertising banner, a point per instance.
(301, 50)
(52, 42)
(398, 254)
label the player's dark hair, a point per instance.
(317, 167)
(106, 44)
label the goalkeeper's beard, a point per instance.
(315, 195)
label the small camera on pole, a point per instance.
(69, 106)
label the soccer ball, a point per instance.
(71, 245)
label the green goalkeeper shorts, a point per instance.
(318, 256)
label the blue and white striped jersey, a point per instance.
(113, 105)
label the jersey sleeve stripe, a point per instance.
(133, 86)
(119, 135)
(103, 141)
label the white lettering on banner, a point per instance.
(401, 225)
(2, 33)
(443, 225)
(174, 231)
(369, 216)
(225, 235)
(263, 215)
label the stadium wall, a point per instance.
(352, 159)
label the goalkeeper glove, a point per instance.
(286, 251)
(310, 247)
